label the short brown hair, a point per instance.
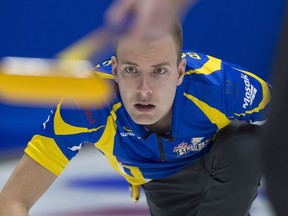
(177, 35)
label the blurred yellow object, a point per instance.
(46, 81)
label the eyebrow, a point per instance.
(161, 64)
(165, 63)
(129, 63)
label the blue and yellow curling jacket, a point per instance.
(213, 94)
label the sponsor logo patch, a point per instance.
(196, 144)
(250, 92)
(128, 133)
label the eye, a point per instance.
(160, 70)
(131, 69)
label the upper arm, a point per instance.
(246, 95)
(25, 186)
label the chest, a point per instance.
(190, 141)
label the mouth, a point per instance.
(144, 107)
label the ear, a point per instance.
(114, 68)
(181, 71)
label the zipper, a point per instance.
(161, 148)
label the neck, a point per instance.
(163, 126)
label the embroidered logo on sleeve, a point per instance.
(250, 91)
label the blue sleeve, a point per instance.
(63, 134)
(67, 126)
(246, 96)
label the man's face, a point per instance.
(147, 74)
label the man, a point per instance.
(155, 18)
(170, 128)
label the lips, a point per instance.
(144, 107)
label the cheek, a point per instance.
(126, 90)
(166, 94)
(167, 86)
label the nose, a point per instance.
(144, 88)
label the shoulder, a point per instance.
(211, 70)
(83, 115)
(204, 69)
(200, 63)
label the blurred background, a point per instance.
(242, 32)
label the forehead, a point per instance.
(152, 50)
